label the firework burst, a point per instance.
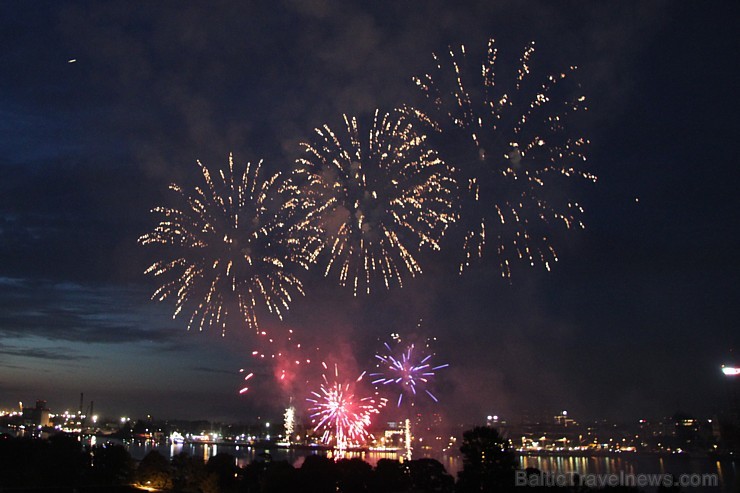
(379, 201)
(514, 154)
(228, 247)
(339, 415)
(407, 368)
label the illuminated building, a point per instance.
(37, 416)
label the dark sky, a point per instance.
(633, 321)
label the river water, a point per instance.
(626, 464)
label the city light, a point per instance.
(730, 371)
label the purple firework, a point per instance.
(409, 369)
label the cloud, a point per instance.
(205, 369)
(80, 313)
(13, 367)
(53, 354)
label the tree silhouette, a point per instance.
(32, 463)
(62, 459)
(488, 464)
(154, 471)
(390, 477)
(353, 475)
(189, 474)
(429, 475)
(224, 467)
(111, 465)
(280, 477)
(318, 475)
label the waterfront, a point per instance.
(635, 463)
(245, 454)
(628, 463)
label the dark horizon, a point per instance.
(387, 415)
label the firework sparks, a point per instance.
(246, 378)
(408, 439)
(378, 201)
(339, 415)
(289, 422)
(287, 357)
(229, 246)
(520, 156)
(407, 369)
(279, 355)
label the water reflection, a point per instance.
(632, 464)
(580, 465)
(244, 455)
(726, 470)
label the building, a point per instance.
(37, 416)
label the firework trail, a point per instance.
(246, 378)
(228, 246)
(407, 368)
(339, 415)
(520, 156)
(379, 201)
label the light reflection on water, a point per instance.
(632, 464)
(246, 454)
(582, 465)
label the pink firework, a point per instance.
(340, 414)
(409, 370)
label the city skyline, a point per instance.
(103, 107)
(421, 435)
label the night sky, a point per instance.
(633, 321)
